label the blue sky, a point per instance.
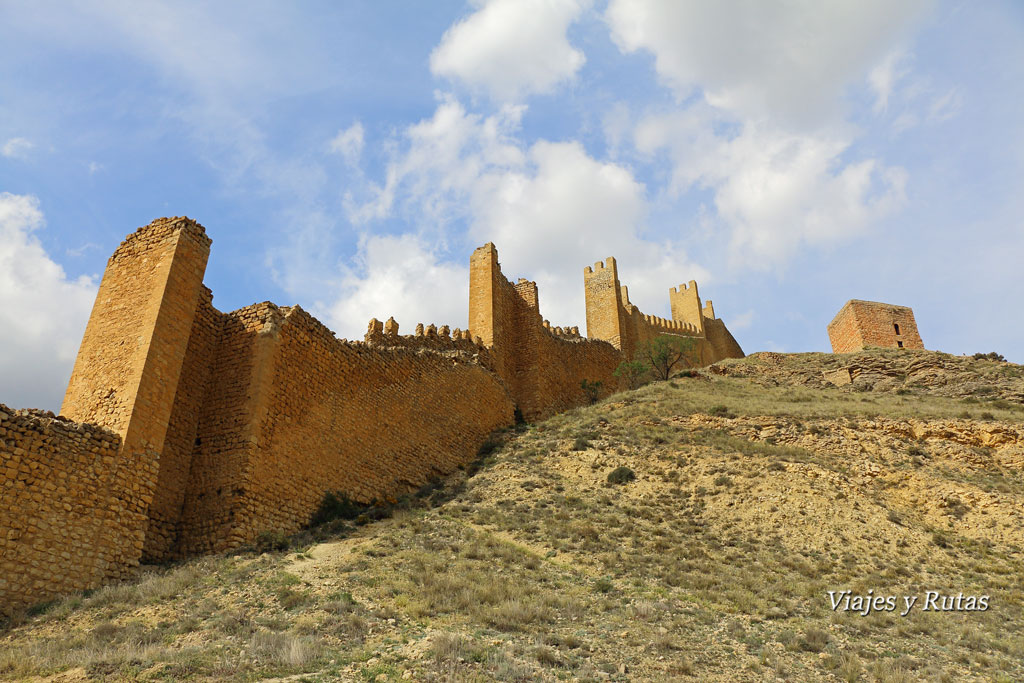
(349, 157)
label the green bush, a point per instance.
(335, 506)
(592, 390)
(719, 411)
(271, 541)
(621, 475)
(991, 355)
(632, 372)
(664, 353)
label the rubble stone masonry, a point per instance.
(860, 324)
(72, 506)
(187, 430)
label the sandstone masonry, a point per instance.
(860, 324)
(186, 430)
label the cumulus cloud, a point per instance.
(441, 160)
(512, 48)
(774, 191)
(550, 208)
(44, 313)
(883, 78)
(349, 143)
(790, 61)
(398, 276)
(16, 148)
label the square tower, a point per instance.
(860, 324)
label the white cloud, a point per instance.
(884, 77)
(551, 209)
(789, 62)
(349, 143)
(16, 148)
(443, 159)
(44, 313)
(945, 106)
(565, 210)
(398, 276)
(512, 48)
(742, 321)
(775, 191)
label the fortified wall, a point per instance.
(186, 430)
(610, 316)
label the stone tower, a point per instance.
(860, 324)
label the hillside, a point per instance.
(759, 487)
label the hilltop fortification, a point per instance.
(186, 430)
(860, 324)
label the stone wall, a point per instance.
(193, 430)
(72, 507)
(543, 367)
(611, 316)
(306, 413)
(860, 324)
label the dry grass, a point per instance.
(713, 564)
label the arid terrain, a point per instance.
(757, 488)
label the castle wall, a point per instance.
(860, 324)
(317, 414)
(721, 342)
(543, 368)
(71, 509)
(193, 430)
(179, 444)
(611, 316)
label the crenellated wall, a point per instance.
(611, 316)
(543, 367)
(193, 430)
(305, 413)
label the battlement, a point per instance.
(431, 336)
(600, 268)
(189, 430)
(612, 317)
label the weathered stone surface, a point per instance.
(193, 430)
(860, 324)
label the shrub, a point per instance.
(814, 640)
(580, 444)
(632, 372)
(664, 353)
(719, 411)
(335, 506)
(621, 475)
(991, 355)
(592, 390)
(271, 541)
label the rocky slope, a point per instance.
(759, 488)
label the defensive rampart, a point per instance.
(191, 430)
(543, 368)
(611, 316)
(72, 506)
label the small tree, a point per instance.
(632, 372)
(664, 353)
(592, 390)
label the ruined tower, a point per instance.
(860, 324)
